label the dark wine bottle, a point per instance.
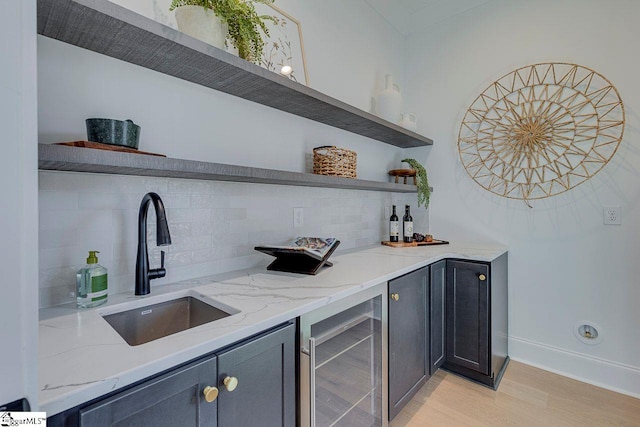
(407, 225)
(394, 226)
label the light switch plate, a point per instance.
(298, 217)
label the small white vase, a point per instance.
(409, 121)
(389, 101)
(202, 24)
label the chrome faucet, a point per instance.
(144, 275)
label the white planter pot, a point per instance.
(202, 24)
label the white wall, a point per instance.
(19, 206)
(565, 265)
(350, 48)
(215, 225)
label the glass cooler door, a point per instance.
(345, 367)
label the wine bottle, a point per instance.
(394, 226)
(407, 225)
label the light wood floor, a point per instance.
(527, 396)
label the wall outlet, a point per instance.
(612, 215)
(298, 217)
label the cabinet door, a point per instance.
(265, 372)
(173, 399)
(408, 338)
(467, 314)
(437, 312)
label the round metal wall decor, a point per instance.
(541, 130)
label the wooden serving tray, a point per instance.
(108, 147)
(414, 243)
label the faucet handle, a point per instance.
(157, 273)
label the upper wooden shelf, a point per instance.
(110, 29)
(74, 159)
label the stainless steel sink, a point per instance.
(144, 324)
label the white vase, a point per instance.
(389, 101)
(409, 121)
(202, 24)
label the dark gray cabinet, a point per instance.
(476, 319)
(437, 312)
(468, 315)
(255, 380)
(408, 337)
(265, 372)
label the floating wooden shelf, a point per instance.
(110, 29)
(76, 159)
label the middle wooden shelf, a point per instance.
(75, 159)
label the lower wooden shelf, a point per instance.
(75, 159)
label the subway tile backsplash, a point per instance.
(214, 225)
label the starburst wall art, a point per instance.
(541, 130)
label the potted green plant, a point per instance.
(424, 192)
(241, 23)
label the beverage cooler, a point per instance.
(343, 362)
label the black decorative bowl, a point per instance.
(115, 132)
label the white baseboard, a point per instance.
(603, 373)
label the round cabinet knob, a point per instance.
(210, 393)
(395, 297)
(482, 277)
(230, 383)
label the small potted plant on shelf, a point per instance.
(424, 192)
(236, 20)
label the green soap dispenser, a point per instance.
(91, 283)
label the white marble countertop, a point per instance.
(80, 357)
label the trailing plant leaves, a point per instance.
(209, 4)
(424, 192)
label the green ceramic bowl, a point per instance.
(115, 132)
